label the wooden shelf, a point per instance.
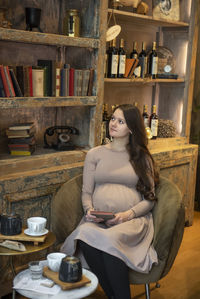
(40, 159)
(143, 81)
(47, 102)
(147, 20)
(30, 37)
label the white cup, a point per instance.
(54, 260)
(36, 224)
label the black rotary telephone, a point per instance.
(62, 134)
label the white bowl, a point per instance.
(54, 260)
(36, 224)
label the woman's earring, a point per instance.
(131, 132)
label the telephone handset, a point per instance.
(63, 137)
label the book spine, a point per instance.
(62, 83)
(10, 81)
(90, 84)
(57, 82)
(38, 82)
(5, 84)
(20, 153)
(2, 92)
(71, 82)
(30, 81)
(20, 77)
(16, 86)
(26, 81)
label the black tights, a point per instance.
(111, 271)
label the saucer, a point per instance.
(27, 232)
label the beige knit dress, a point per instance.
(109, 184)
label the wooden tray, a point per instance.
(24, 237)
(65, 285)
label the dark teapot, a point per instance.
(11, 224)
(70, 269)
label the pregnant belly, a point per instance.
(115, 197)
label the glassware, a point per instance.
(36, 269)
(71, 23)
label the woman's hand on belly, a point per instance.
(121, 217)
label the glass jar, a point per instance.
(71, 23)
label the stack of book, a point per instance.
(21, 139)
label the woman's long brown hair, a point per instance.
(140, 157)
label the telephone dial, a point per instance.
(61, 136)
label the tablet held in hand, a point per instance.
(102, 214)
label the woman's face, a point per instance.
(117, 125)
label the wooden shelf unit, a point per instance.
(176, 158)
(21, 47)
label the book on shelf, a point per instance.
(38, 82)
(22, 126)
(5, 83)
(71, 82)
(64, 82)
(16, 86)
(77, 82)
(21, 130)
(48, 67)
(21, 147)
(24, 77)
(21, 153)
(90, 84)
(22, 140)
(85, 82)
(19, 134)
(9, 81)
(19, 72)
(2, 92)
(30, 79)
(57, 80)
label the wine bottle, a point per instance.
(153, 62)
(122, 60)
(154, 123)
(104, 125)
(112, 60)
(134, 53)
(145, 116)
(143, 61)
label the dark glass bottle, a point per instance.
(153, 62)
(134, 53)
(122, 60)
(112, 56)
(154, 123)
(145, 116)
(143, 61)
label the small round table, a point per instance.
(69, 294)
(30, 248)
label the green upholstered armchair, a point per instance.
(169, 221)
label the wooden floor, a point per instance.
(183, 281)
